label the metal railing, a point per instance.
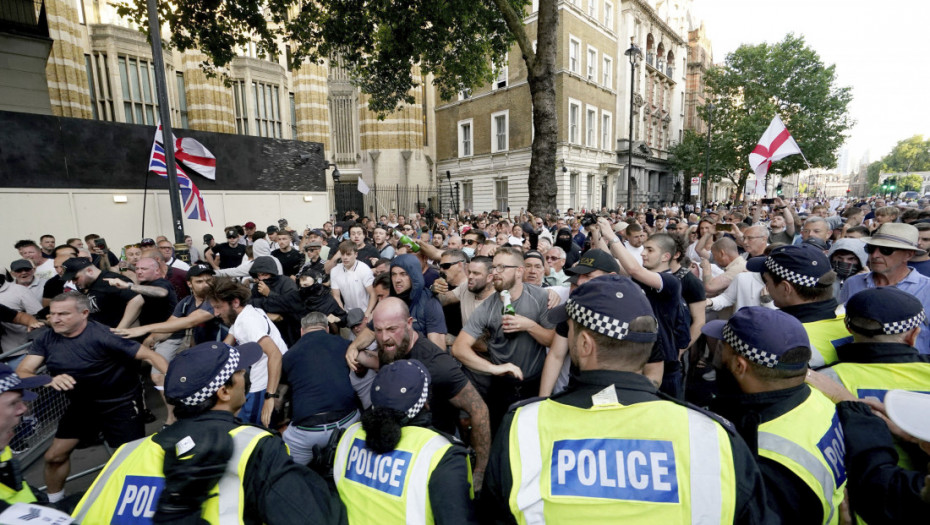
(385, 199)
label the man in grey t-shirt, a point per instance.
(516, 343)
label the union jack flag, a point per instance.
(192, 200)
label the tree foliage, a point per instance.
(755, 83)
(389, 46)
(908, 155)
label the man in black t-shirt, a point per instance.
(107, 302)
(229, 254)
(451, 390)
(97, 370)
(156, 297)
(291, 259)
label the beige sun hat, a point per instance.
(897, 235)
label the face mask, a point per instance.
(310, 291)
(469, 251)
(844, 270)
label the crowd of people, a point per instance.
(756, 362)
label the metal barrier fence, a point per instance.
(384, 199)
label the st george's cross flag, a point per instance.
(776, 143)
(192, 154)
(191, 198)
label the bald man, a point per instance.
(452, 391)
(726, 256)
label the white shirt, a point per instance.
(17, 297)
(250, 327)
(36, 287)
(179, 264)
(352, 284)
(745, 290)
(46, 270)
(637, 252)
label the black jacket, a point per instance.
(283, 298)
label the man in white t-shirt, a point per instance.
(229, 299)
(166, 248)
(351, 281)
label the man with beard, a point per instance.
(563, 239)
(793, 429)
(451, 390)
(247, 324)
(408, 284)
(452, 266)
(380, 236)
(516, 342)
(479, 287)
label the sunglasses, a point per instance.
(884, 250)
(446, 266)
(469, 242)
(553, 258)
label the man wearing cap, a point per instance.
(108, 304)
(605, 450)
(794, 430)
(884, 323)
(392, 467)
(249, 228)
(208, 467)
(24, 274)
(890, 249)
(800, 281)
(96, 369)
(228, 255)
(18, 298)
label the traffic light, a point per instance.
(778, 189)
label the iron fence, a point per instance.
(385, 199)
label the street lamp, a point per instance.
(635, 55)
(336, 174)
(710, 122)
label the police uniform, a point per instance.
(612, 449)
(794, 431)
(258, 483)
(425, 479)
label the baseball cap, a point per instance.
(909, 411)
(20, 264)
(801, 265)
(207, 238)
(354, 317)
(72, 266)
(403, 386)
(147, 242)
(318, 232)
(10, 381)
(271, 229)
(607, 305)
(895, 310)
(231, 233)
(250, 225)
(594, 260)
(200, 269)
(197, 373)
(761, 335)
(314, 244)
(533, 254)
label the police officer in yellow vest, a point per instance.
(17, 498)
(885, 323)
(209, 466)
(391, 468)
(611, 448)
(800, 281)
(794, 429)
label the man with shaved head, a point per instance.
(726, 256)
(451, 390)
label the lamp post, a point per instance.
(336, 176)
(710, 123)
(635, 55)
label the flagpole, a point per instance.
(161, 89)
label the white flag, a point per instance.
(362, 187)
(776, 143)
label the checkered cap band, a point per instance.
(232, 364)
(600, 323)
(418, 406)
(748, 351)
(790, 275)
(899, 327)
(9, 382)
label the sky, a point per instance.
(879, 49)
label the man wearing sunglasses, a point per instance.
(229, 254)
(890, 249)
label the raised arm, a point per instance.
(626, 259)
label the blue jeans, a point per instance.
(251, 411)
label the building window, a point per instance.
(242, 113)
(606, 128)
(500, 194)
(342, 115)
(82, 17)
(90, 85)
(464, 94)
(465, 138)
(468, 200)
(182, 100)
(607, 72)
(592, 64)
(535, 6)
(137, 78)
(574, 115)
(267, 110)
(592, 8)
(590, 201)
(98, 80)
(499, 127)
(500, 79)
(608, 15)
(591, 127)
(574, 188)
(293, 103)
(574, 55)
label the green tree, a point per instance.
(910, 182)
(390, 46)
(689, 157)
(755, 83)
(912, 154)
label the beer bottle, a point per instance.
(407, 241)
(508, 306)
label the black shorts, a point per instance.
(120, 422)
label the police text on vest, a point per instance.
(138, 500)
(384, 472)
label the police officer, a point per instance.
(800, 281)
(16, 496)
(208, 467)
(391, 468)
(611, 448)
(794, 429)
(885, 323)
